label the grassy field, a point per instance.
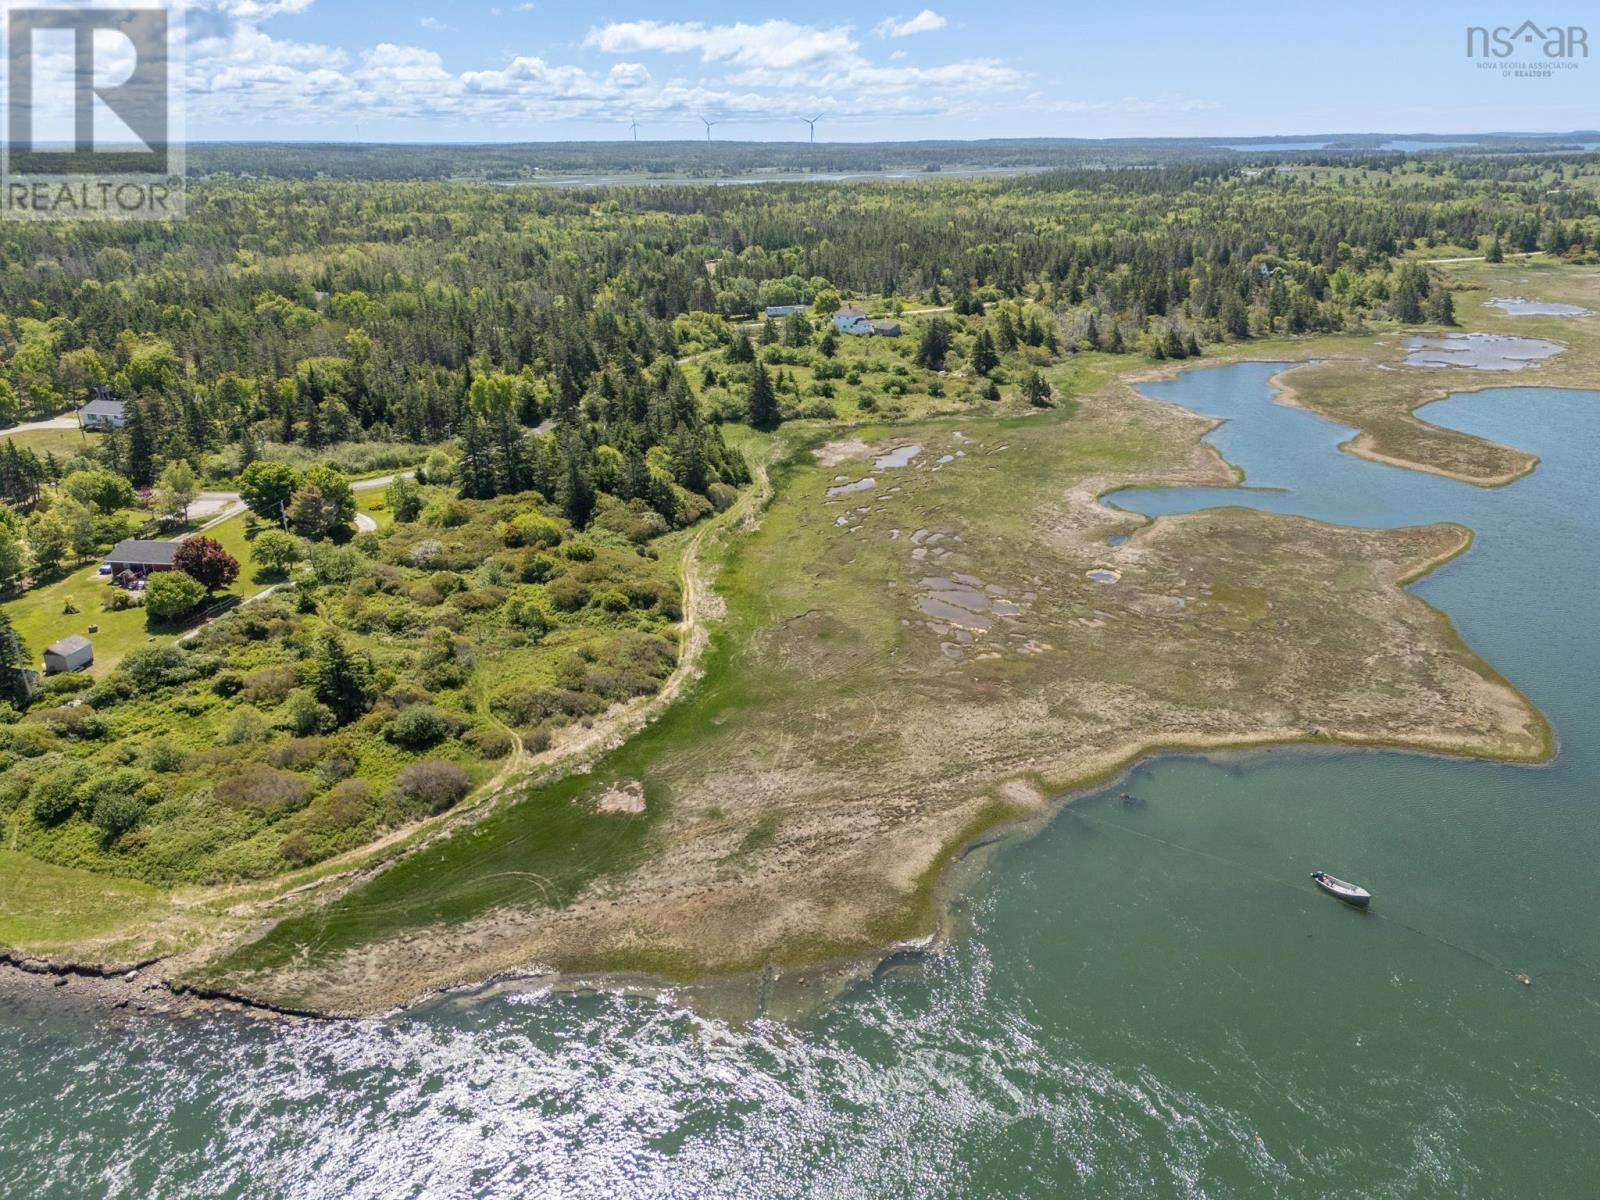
(40, 615)
(92, 917)
(855, 725)
(63, 443)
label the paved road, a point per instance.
(69, 421)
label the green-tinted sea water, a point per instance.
(1142, 1002)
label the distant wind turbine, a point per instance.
(708, 125)
(813, 123)
(635, 127)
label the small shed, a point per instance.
(141, 557)
(886, 328)
(74, 653)
(784, 310)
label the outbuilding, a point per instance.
(75, 653)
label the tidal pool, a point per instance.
(1479, 351)
(1516, 306)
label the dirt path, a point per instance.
(1481, 257)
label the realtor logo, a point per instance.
(92, 108)
(1541, 52)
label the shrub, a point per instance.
(569, 594)
(163, 757)
(79, 722)
(117, 600)
(302, 714)
(153, 667)
(430, 786)
(419, 726)
(270, 686)
(265, 790)
(612, 600)
(246, 726)
(529, 529)
(333, 564)
(115, 802)
(425, 552)
(345, 806)
(489, 741)
(55, 794)
(578, 551)
(297, 754)
(527, 616)
(172, 594)
(118, 813)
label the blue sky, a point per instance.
(495, 70)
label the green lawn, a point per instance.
(41, 617)
(63, 443)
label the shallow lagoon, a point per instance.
(1144, 1002)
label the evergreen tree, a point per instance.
(934, 346)
(1036, 390)
(141, 446)
(341, 680)
(984, 357)
(762, 407)
(14, 661)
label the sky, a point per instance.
(506, 70)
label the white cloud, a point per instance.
(926, 21)
(768, 72)
(434, 24)
(776, 44)
(252, 10)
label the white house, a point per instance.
(103, 410)
(853, 321)
(73, 653)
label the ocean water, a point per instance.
(1140, 1002)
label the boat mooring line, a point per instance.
(1520, 976)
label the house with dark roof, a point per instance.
(886, 328)
(140, 557)
(73, 653)
(104, 411)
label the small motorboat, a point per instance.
(1348, 892)
(1129, 800)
